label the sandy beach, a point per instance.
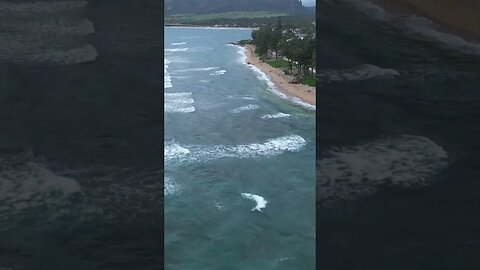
(458, 17)
(304, 92)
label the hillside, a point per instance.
(217, 6)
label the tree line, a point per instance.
(296, 43)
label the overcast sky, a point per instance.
(308, 3)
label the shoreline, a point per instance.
(210, 27)
(306, 94)
(395, 7)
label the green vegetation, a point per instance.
(309, 80)
(244, 42)
(186, 18)
(293, 44)
(277, 63)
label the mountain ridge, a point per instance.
(214, 6)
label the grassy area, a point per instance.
(224, 15)
(310, 81)
(277, 63)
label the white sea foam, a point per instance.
(195, 69)
(369, 8)
(363, 72)
(406, 161)
(273, 89)
(32, 185)
(41, 6)
(176, 50)
(169, 186)
(173, 150)
(218, 72)
(248, 107)
(78, 55)
(178, 43)
(276, 115)
(167, 79)
(179, 102)
(429, 29)
(195, 153)
(259, 200)
(45, 25)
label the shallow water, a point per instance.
(398, 106)
(233, 145)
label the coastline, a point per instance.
(209, 27)
(442, 16)
(306, 94)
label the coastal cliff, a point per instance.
(461, 16)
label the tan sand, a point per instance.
(460, 17)
(304, 92)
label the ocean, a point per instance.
(398, 141)
(239, 160)
(81, 135)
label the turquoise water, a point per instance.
(226, 133)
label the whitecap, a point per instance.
(405, 161)
(199, 153)
(179, 102)
(248, 107)
(176, 50)
(196, 69)
(169, 187)
(259, 200)
(276, 115)
(362, 72)
(218, 72)
(429, 29)
(78, 55)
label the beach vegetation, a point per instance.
(288, 46)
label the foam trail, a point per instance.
(363, 72)
(429, 29)
(83, 54)
(169, 187)
(178, 43)
(174, 151)
(195, 153)
(248, 107)
(41, 7)
(405, 161)
(218, 72)
(176, 50)
(196, 69)
(276, 115)
(261, 202)
(167, 79)
(179, 102)
(32, 185)
(369, 8)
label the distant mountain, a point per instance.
(215, 6)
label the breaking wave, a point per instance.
(179, 102)
(174, 152)
(405, 161)
(363, 72)
(248, 107)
